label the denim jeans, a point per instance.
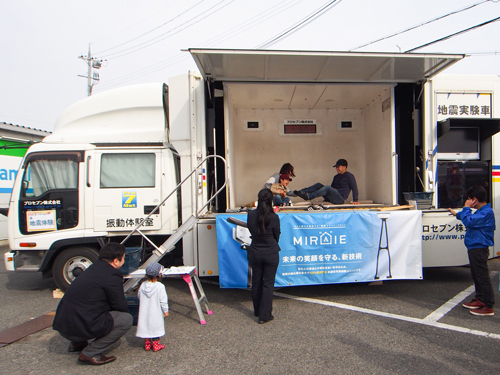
(278, 201)
(327, 192)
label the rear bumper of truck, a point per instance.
(8, 259)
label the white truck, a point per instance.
(115, 156)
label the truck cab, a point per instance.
(106, 167)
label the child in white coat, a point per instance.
(153, 308)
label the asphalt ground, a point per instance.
(399, 327)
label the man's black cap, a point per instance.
(340, 162)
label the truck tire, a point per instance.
(70, 263)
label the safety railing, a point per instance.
(198, 212)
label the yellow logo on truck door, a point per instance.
(129, 199)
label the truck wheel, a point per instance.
(70, 263)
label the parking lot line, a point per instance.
(449, 305)
(428, 322)
(452, 303)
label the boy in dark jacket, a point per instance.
(478, 237)
(94, 307)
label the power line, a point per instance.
(151, 69)
(129, 26)
(454, 34)
(164, 36)
(419, 25)
(488, 53)
(302, 23)
(150, 31)
(263, 16)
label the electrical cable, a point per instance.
(164, 36)
(130, 26)
(301, 23)
(151, 69)
(150, 31)
(419, 25)
(263, 16)
(489, 53)
(454, 34)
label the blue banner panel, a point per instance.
(328, 248)
(233, 262)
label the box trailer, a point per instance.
(122, 152)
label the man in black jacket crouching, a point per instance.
(94, 307)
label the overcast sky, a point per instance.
(142, 41)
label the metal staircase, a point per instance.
(187, 225)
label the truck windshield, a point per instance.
(43, 175)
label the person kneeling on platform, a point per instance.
(280, 190)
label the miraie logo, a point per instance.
(325, 238)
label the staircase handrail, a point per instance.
(136, 229)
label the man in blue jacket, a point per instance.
(478, 237)
(94, 307)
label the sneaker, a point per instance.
(298, 193)
(483, 311)
(474, 304)
(157, 346)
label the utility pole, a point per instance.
(92, 77)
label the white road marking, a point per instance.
(428, 322)
(449, 305)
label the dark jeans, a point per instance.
(327, 192)
(264, 268)
(122, 323)
(278, 201)
(478, 259)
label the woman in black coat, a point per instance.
(264, 226)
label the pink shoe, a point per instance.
(157, 346)
(147, 344)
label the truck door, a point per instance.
(49, 193)
(127, 189)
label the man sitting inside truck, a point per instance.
(343, 183)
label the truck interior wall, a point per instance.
(257, 154)
(405, 139)
(260, 154)
(220, 146)
(232, 152)
(379, 150)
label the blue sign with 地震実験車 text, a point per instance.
(329, 247)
